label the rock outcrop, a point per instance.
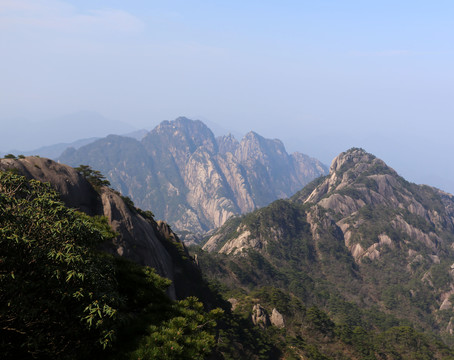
(193, 180)
(260, 316)
(75, 191)
(277, 319)
(140, 238)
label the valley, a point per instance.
(357, 264)
(226, 180)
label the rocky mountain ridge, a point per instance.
(194, 180)
(359, 183)
(362, 233)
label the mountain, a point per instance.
(54, 259)
(64, 296)
(370, 250)
(140, 238)
(194, 180)
(28, 135)
(54, 151)
(137, 134)
(299, 276)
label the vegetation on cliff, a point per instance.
(372, 252)
(62, 298)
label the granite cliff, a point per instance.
(192, 179)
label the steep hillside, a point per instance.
(140, 238)
(62, 297)
(193, 180)
(362, 243)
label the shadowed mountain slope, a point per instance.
(140, 238)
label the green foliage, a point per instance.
(187, 335)
(94, 177)
(384, 306)
(302, 195)
(129, 203)
(10, 156)
(320, 320)
(147, 214)
(418, 222)
(375, 220)
(62, 299)
(351, 192)
(154, 327)
(48, 266)
(440, 275)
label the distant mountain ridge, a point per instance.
(194, 180)
(55, 150)
(30, 135)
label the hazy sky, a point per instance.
(321, 75)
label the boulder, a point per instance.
(277, 319)
(260, 316)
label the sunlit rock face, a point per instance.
(193, 180)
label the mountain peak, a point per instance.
(194, 180)
(354, 168)
(252, 134)
(355, 162)
(350, 158)
(182, 120)
(227, 143)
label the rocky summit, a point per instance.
(195, 181)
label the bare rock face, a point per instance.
(233, 302)
(260, 316)
(137, 239)
(238, 244)
(75, 191)
(360, 185)
(193, 180)
(277, 319)
(450, 327)
(227, 144)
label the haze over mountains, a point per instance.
(405, 147)
(220, 239)
(25, 135)
(193, 180)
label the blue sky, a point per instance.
(321, 75)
